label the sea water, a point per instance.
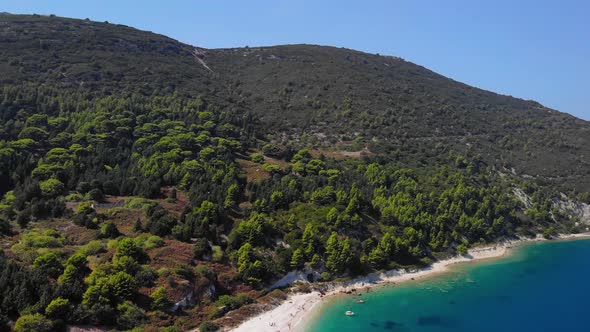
(539, 287)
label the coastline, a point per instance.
(296, 312)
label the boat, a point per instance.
(360, 301)
(349, 313)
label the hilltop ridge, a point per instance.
(332, 94)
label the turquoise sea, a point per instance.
(539, 287)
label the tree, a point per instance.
(462, 249)
(376, 174)
(377, 257)
(101, 313)
(51, 187)
(75, 269)
(5, 227)
(34, 133)
(244, 257)
(127, 247)
(231, 197)
(32, 323)
(95, 195)
(160, 299)
(298, 259)
(85, 208)
(250, 269)
(109, 230)
(130, 315)
(58, 308)
(339, 254)
(272, 150)
(49, 263)
(550, 232)
(353, 205)
(324, 196)
(122, 285)
(332, 216)
(23, 218)
(110, 290)
(333, 253)
(384, 251)
(309, 240)
(251, 231)
(257, 158)
(277, 200)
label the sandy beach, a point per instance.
(298, 308)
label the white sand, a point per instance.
(293, 313)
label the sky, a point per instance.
(536, 50)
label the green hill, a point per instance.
(330, 93)
(146, 183)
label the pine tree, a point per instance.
(298, 259)
(332, 252)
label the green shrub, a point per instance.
(36, 243)
(91, 248)
(147, 241)
(75, 197)
(43, 239)
(233, 302)
(208, 327)
(217, 253)
(462, 249)
(153, 241)
(138, 203)
(550, 232)
(146, 276)
(163, 272)
(85, 208)
(271, 168)
(257, 157)
(171, 329)
(185, 271)
(204, 271)
(272, 150)
(32, 323)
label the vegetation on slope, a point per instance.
(128, 195)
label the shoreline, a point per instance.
(295, 313)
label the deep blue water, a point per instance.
(540, 287)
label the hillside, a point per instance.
(168, 186)
(329, 93)
(394, 104)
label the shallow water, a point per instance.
(539, 287)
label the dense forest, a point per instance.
(167, 209)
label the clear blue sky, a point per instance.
(530, 49)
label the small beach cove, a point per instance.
(312, 311)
